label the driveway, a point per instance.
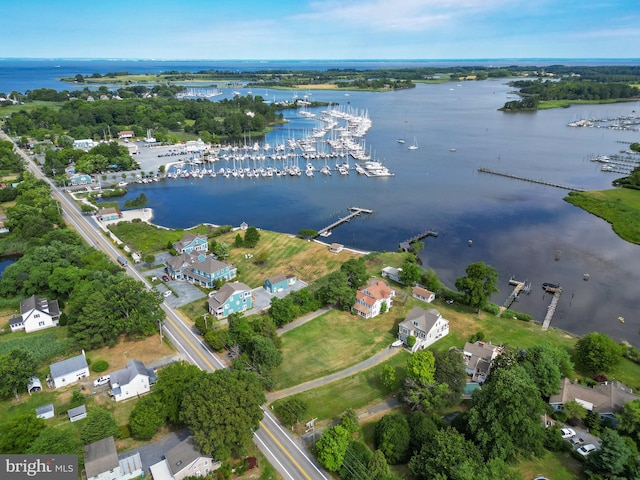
(262, 298)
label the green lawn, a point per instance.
(331, 343)
(357, 391)
(554, 465)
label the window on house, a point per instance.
(37, 315)
(41, 324)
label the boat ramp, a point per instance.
(354, 212)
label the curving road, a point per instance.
(279, 447)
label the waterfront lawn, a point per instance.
(282, 254)
(357, 392)
(620, 207)
(548, 104)
(331, 343)
(146, 238)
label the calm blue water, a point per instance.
(519, 228)
(4, 263)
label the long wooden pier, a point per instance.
(355, 211)
(525, 179)
(407, 243)
(551, 309)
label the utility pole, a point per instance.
(160, 328)
(206, 324)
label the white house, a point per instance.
(369, 299)
(478, 358)
(77, 413)
(427, 326)
(423, 294)
(46, 411)
(69, 371)
(36, 314)
(392, 272)
(133, 380)
(182, 461)
(101, 462)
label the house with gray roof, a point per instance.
(192, 243)
(133, 380)
(201, 269)
(184, 460)
(45, 411)
(233, 297)
(77, 413)
(427, 326)
(606, 399)
(478, 357)
(279, 283)
(36, 314)
(69, 371)
(101, 462)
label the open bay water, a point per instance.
(521, 229)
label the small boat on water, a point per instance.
(550, 287)
(452, 149)
(414, 146)
(326, 233)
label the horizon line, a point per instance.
(315, 59)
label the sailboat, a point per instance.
(414, 146)
(401, 140)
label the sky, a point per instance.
(320, 29)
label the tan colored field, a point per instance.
(147, 351)
(286, 254)
(317, 86)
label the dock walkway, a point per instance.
(552, 308)
(407, 243)
(355, 211)
(525, 179)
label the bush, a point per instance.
(411, 341)
(477, 337)
(492, 308)
(124, 430)
(100, 366)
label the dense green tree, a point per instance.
(148, 415)
(410, 273)
(251, 237)
(100, 424)
(504, 418)
(546, 364)
(337, 291)
(574, 411)
(388, 377)
(444, 456)
(291, 410)
(57, 440)
(281, 310)
(264, 354)
(423, 428)
(478, 285)
(615, 459)
(430, 280)
(217, 339)
(356, 272)
(450, 369)
(392, 436)
(222, 409)
(16, 368)
(421, 367)
(173, 380)
(17, 434)
(332, 446)
(597, 352)
(221, 250)
(356, 462)
(629, 420)
(349, 420)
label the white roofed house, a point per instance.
(36, 314)
(369, 299)
(391, 272)
(427, 326)
(133, 380)
(69, 371)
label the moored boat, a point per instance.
(550, 287)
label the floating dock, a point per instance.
(355, 211)
(518, 288)
(525, 179)
(551, 309)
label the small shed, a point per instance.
(336, 247)
(34, 385)
(77, 413)
(44, 412)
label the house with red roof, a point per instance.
(370, 299)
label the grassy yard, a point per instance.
(357, 392)
(331, 343)
(554, 465)
(620, 207)
(147, 238)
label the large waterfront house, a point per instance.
(36, 314)
(192, 243)
(478, 357)
(133, 380)
(370, 299)
(69, 371)
(233, 297)
(101, 462)
(279, 283)
(606, 399)
(182, 461)
(201, 269)
(427, 326)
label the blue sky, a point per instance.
(320, 29)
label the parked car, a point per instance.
(98, 382)
(167, 293)
(567, 432)
(575, 441)
(165, 278)
(586, 450)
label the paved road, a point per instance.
(347, 372)
(286, 455)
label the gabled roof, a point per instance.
(377, 289)
(44, 409)
(69, 365)
(128, 373)
(225, 292)
(480, 349)
(277, 279)
(182, 455)
(422, 292)
(210, 265)
(73, 412)
(41, 304)
(608, 397)
(100, 457)
(425, 319)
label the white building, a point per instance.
(427, 326)
(101, 462)
(182, 461)
(133, 380)
(69, 371)
(36, 314)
